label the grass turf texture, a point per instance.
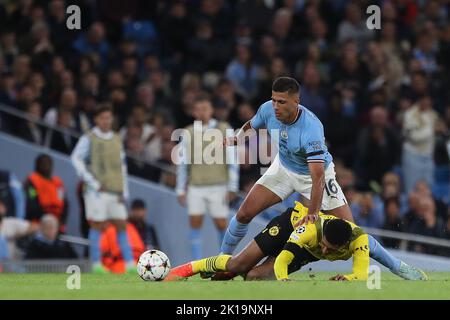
(304, 286)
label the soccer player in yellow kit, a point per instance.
(329, 238)
(289, 247)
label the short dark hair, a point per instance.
(286, 84)
(38, 162)
(202, 97)
(104, 107)
(337, 232)
(138, 204)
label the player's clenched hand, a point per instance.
(229, 141)
(231, 196)
(182, 199)
(309, 218)
(339, 277)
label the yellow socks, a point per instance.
(212, 264)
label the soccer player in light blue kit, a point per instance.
(303, 164)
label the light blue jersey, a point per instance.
(299, 143)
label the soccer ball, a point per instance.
(153, 265)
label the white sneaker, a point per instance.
(411, 273)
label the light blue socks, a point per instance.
(234, 234)
(94, 245)
(381, 255)
(125, 248)
(196, 244)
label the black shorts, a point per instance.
(272, 240)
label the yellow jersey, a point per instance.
(309, 237)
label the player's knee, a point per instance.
(99, 226)
(244, 215)
(221, 224)
(236, 265)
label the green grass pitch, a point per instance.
(304, 286)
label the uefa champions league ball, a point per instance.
(153, 265)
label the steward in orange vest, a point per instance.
(112, 258)
(45, 193)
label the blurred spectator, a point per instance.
(61, 37)
(273, 69)
(26, 95)
(413, 207)
(354, 26)
(282, 30)
(138, 119)
(154, 142)
(13, 229)
(442, 134)
(378, 148)
(167, 176)
(46, 244)
(68, 103)
(135, 156)
(417, 84)
(8, 46)
(205, 51)
(418, 147)
(21, 69)
(312, 93)
(339, 130)
(243, 72)
(138, 217)
(178, 27)
(244, 112)
(423, 190)
(366, 212)
(269, 49)
(426, 223)
(11, 194)
(45, 193)
(218, 14)
(8, 88)
(393, 221)
(94, 43)
(425, 53)
(130, 71)
(61, 139)
(183, 110)
(391, 188)
(145, 96)
(226, 95)
(350, 71)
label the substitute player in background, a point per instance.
(303, 163)
(99, 160)
(206, 188)
(329, 238)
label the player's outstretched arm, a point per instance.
(361, 260)
(281, 265)
(317, 171)
(233, 140)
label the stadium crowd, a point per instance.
(382, 95)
